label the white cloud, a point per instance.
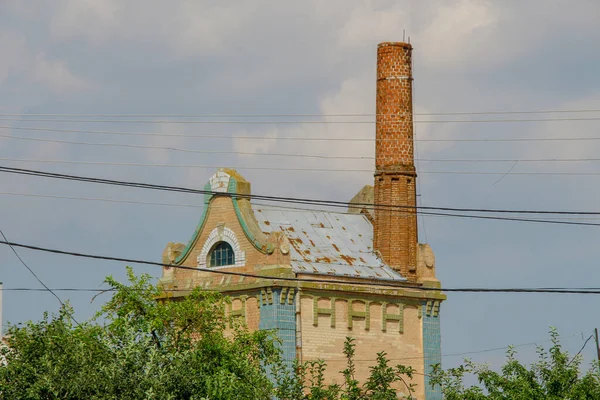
(13, 54)
(369, 24)
(96, 20)
(456, 30)
(19, 63)
(180, 28)
(55, 74)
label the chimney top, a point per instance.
(407, 46)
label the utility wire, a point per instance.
(34, 274)
(248, 115)
(263, 206)
(288, 122)
(271, 168)
(499, 160)
(418, 183)
(117, 164)
(323, 138)
(458, 354)
(580, 350)
(293, 200)
(309, 280)
(588, 290)
(184, 150)
(151, 134)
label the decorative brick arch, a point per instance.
(222, 234)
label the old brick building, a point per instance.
(378, 248)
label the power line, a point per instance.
(248, 115)
(293, 200)
(323, 138)
(310, 280)
(346, 170)
(580, 350)
(183, 149)
(458, 354)
(24, 289)
(543, 139)
(151, 134)
(288, 122)
(250, 167)
(498, 160)
(263, 206)
(278, 168)
(470, 352)
(200, 166)
(117, 164)
(313, 202)
(34, 274)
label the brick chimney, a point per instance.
(395, 229)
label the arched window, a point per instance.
(221, 255)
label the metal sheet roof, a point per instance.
(328, 243)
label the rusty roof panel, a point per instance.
(328, 243)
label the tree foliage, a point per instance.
(555, 376)
(143, 349)
(138, 347)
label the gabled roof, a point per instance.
(322, 243)
(327, 243)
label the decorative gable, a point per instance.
(219, 182)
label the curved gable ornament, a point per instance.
(222, 234)
(219, 182)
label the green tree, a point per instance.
(555, 376)
(306, 381)
(138, 347)
(141, 349)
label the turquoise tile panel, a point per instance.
(432, 350)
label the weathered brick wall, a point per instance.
(323, 336)
(252, 313)
(395, 230)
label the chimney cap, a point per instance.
(407, 46)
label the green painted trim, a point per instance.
(231, 188)
(359, 314)
(346, 291)
(194, 239)
(376, 292)
(255, 242)
(385, 316)
(286, 295)
(323, 311)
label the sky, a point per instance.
(319, 58)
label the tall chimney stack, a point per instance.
(395, 228)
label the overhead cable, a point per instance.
(261, 206)
(319, 138)
(46, 288)
(289, 122)
(294, 200)
(278, 168)
(309, 280)
(184, 150)
(248, 115)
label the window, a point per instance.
(221, 255)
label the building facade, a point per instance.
(361, 272)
